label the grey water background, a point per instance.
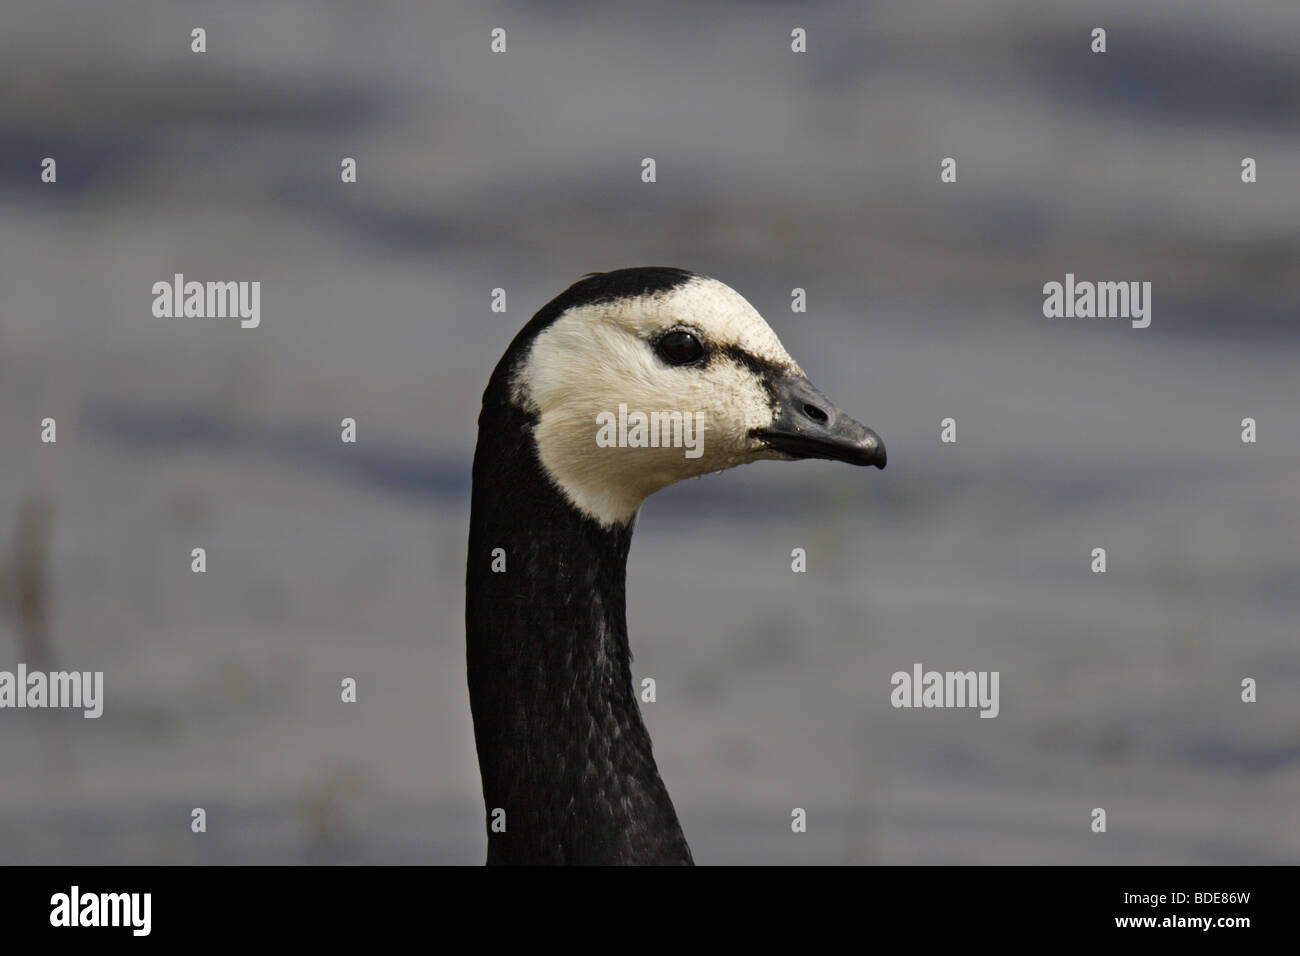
(775, 171)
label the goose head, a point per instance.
(643, 377)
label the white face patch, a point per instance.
(595, 358)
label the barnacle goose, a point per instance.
(567, 768)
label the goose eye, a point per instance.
(680, 348)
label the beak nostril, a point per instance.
(816, 414)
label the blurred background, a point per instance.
(775, 170)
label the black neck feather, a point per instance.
(561, 745)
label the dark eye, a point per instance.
(680, 348)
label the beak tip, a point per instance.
(873, 451)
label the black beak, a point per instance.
(807, 425)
